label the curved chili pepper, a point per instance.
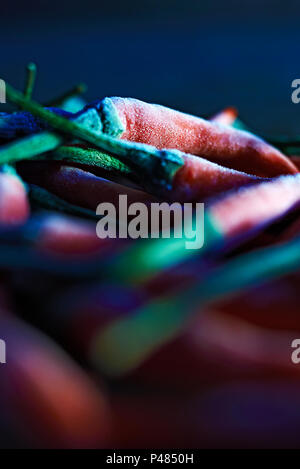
(253, 206)
(196, 179)
(199, 178)
(165, 128)
(77, 186)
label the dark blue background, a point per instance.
(194, 56)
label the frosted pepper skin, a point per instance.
(161, 127)
(256, 206)
(199, 178)
(165, 128)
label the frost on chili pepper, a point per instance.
(257, 205)
(165, 128)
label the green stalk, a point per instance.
(30, 80)
(42, 142)
(77, 90)
(91, 157)
(29, 147)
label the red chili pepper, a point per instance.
(199, 178)
(253, 206)
(14, 206)
(194, 181)
(165, 128)
(79, 187)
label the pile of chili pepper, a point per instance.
(116, 343)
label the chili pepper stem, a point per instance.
(30, 80)
(91, 157)
(29, 147)
(77, 90)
